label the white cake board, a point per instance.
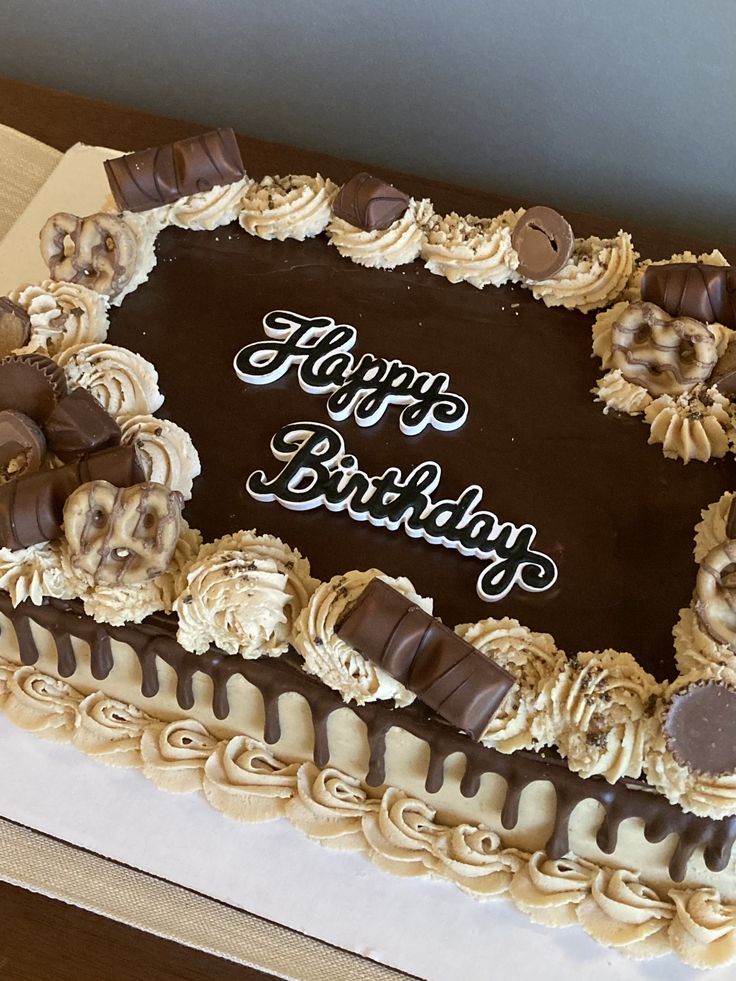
(426, 928)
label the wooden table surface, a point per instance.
(35, 932)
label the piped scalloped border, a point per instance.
(241, 778)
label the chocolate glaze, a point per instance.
(613, 513)
(154, 643)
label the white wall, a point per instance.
(626, 108)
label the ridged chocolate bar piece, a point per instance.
(692, 289)
(448, 674)
(369, 203)
(79, 425)
(32, 507)
(161, 175)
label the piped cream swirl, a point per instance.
(211, 209)
(242, 593)
(123, 382)
(295, 206)
(383, 248)
(62, 315)
(166, 450)
(595, 275)
(697, 425)
(470, 249)
(523, 718)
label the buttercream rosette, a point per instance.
(603, 705)
(549, 890)
(62, 315)
(695, 649)
(595, 275)
(383, 248)
(705, 794)
(710, 531)
(120, 603)
(39, 703)
(110, 729)
(35, 572)
(165, 450)
(620, 395)
(207, 210)
(697, 425)
(523, 720)
(329, 806)
(242, 593)
(339, 665)
(123, 382)
(703, 932)
(244, 780)
(294, 206)
(173, 754)
(623, 912)
(470, 249)
(632, 293)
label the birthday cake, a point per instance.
(394, 558)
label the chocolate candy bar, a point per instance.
(693, 289)
(79, 425)
(543, 241)
(161, 175)
(369, 203)
(452, 677)
(32, 507)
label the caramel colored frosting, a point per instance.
(711, 529)
(62, 315)
(620, 395)
(145, 228)
(471, 250)
(697, 425)
(123, 382)
(208, 210)
(623, 912)
(242, 593)
(245, 780)
(295, 206)
(332, 659)
(34, 572)
(523, 719)
(595, 276)
(706, 794)
(120, 603)
(695, 649)
(384, 248)
(603, 332)
(165, 449)
(604, 703)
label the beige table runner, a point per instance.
(60, 871)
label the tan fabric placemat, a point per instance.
(24, 165)
(60, 871)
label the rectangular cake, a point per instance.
(395, 558)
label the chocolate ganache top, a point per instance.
(615, 516)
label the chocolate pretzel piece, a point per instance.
(693, 289)
(448, 674)
(163, 174)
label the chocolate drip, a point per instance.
(510, 811)
(271, 721)
(155, 639)
(101, 655)
(65, 657)
(435, 771)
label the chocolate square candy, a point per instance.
(79, 425)
(369, 203)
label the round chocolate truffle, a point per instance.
(543, 241)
